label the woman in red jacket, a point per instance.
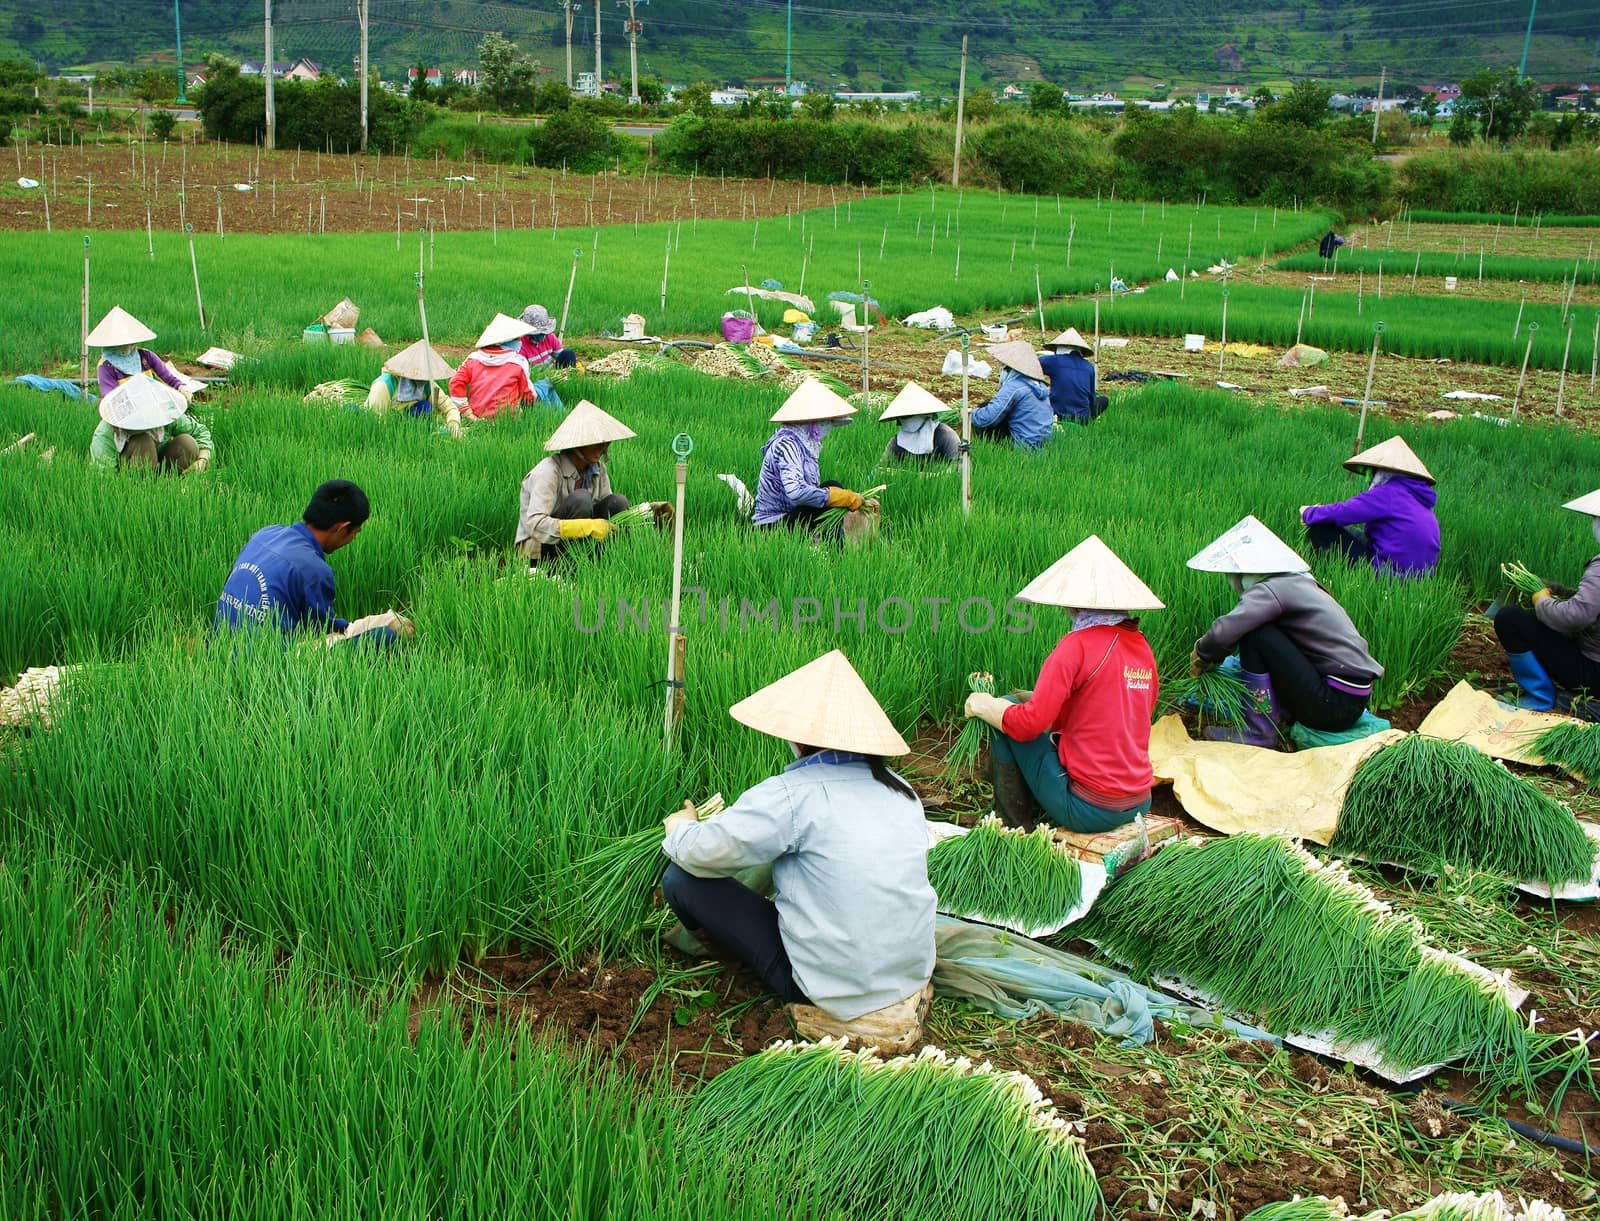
(494, 379)
(1078, 747)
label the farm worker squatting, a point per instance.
(282, 578)
(143, 422)
(1020, 408)
(790, 490)
(1078, 744)
(847, 940)
(1554, 649)
(567, 497)
(1072, 378)
(1301, 657)
(409, 384)
(542, 345)
(922, 437)
(494, 378)
(1401, 533)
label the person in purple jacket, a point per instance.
(1554, 649)
(118, 336)
(1401, 533)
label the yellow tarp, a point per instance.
(1241, 349)
(1478, 719)
(1233, 789)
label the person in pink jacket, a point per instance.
(544, 346)
(494, 378)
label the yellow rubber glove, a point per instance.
(200, 463)
(597, 528)
(844, 498)
(990, 709)
(1197, 664)
(1543, 593)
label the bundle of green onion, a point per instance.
(1430, 802)
(638, 515)
(1221, 696)
(963, 755)
(1298, 947)
(1452, 1206)
(832, 520)
(1572, 747)
(1002, 875)
(618, 879)
(1521, 578)
(918, 1136)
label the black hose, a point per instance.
(1565, 1144)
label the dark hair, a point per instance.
(880, 772)
(335, 501)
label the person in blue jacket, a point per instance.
(1072, 378)
(1020, 408)
(282, 578)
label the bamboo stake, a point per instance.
(1561, 386)
(83, 349)
(966, 429)
(1518, 327)
(1300, 326)
(1039, 293)
(194, 266)
(1366, 395)
(1594, 353)
(677, 645)
(866, 339)
(577, 255)
(1523, 377)
(1222, 354)
(149, 233)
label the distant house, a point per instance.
(252, 67)
(198, 79)
(435, 77)
(898, 96)
(586, 86)
(467, 77)
(1011, 93)
(729, 97)
(304, 70)
(1568, 101)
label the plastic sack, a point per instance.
(738, 327)
(952, 365)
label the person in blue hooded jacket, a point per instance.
(1400, 531)
(1072, 377)
(1020, 408)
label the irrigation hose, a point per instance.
(1564, 1143)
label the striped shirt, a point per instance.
(791, 476)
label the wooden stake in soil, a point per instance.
(1222, 354)
(1518, 326)
(194, 267)
(1594, 354)
(1561, 386)
(866, 340)
(677, 645)
(1039, 293)
(577, 256)
(1523, 377)
(666, 264)
(83, 348)
(1366, 395)
(966, 431)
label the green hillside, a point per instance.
(1083, 44)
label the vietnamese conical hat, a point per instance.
(913, 400)
(1391, 455)
(810, 402)
(419, 362)
(823, 704)
(1018, 355)
(1589, 504)
(117, 328)
(1070, 338)
(585, 425)
(141, 402)
(1249, 548)
(1090, 577)
(503, 329)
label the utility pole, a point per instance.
(634, 27)
(270, 141)
(363, 15)
(177, 25)
(1533, 7)
(1378, 108)
(598, 78)
(788, 50)
(961, 113)
(571, 8)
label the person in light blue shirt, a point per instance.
(848, 937)
(282, 579)
(1020, 408)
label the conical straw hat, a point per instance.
(1090, 577)
(419, 362)
(503, 329)
(117, 328)
(1070, 338)
(1589, 504)
(1018, 355)
(140, 402)
(824, 704)
(1249, 548)
(1391, 455)
(913, 400)
(810, 402)
(585, 425)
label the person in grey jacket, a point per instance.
(847, 940)
(1300, 654)
(1557, 643)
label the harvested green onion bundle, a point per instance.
(1431, 802)
(1221, 696)
(832, 519)
(963, 756)
(638, 515)
(1001, 875)
(1270, 932)
(1572, 747)
(1521, 578)
(618, 879)
(1452, 1206)
(918, 1136)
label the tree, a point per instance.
(162, 124)
(1306, 104)
(696, 99)
(1499, 104)
(506, 77)
(981, 104)
(419, 84)
(1262, 97)
(818, 105)
(155, 86)
(551, 96)
(1044, 98)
